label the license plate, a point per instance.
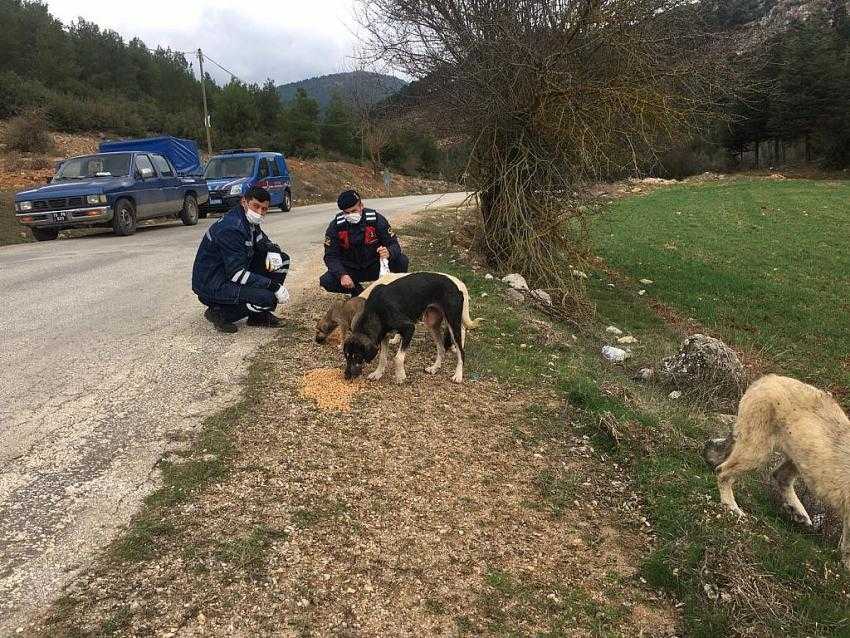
(60, 217)
(215, 201)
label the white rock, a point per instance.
(628, 339)
(579, 274)
(516, 281)
(542, 296)
(641, 292)
(675, 394)
(484, 294)
(488, 276)
(644, 374)
(615, 355)
(647, 282)
(613, 330)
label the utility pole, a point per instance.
(204, 93)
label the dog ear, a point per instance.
(371, 351)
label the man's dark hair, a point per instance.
(258, 193)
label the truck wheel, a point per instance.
(124, 218)
(286, 204)
(44, 234)
(189, 214)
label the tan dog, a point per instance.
(809, 427)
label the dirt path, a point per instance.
(429, 508)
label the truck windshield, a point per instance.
(92, 166)
(225, 167)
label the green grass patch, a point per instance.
(248, 554)
(764, 264)
(764, 576)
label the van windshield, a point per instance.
(92, 166)
(227, 167)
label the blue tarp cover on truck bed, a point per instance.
(182, 153)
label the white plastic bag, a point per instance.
(385, 267)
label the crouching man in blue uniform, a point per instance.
(355, 242)
(238, 271)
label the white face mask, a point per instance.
(353, 218)
(253, 218)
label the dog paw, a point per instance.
(458, 378)
(395, 340)
(432, 369)
(375, 376)
(400, 378)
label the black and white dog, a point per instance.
(396, 307)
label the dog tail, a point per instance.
(468, 322)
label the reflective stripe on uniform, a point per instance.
(237, 275)
(245, 278)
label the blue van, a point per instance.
(233, 172)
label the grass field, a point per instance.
(764, 576)
(763, 264)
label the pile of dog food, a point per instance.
(329, 389)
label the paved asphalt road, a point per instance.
(105, 361)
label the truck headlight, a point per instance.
(236, 190)
(96, 199)
(24, 206)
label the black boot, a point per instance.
(264, 320)
(213, 316)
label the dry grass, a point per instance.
(426, 509)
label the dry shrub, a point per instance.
(28, 134)
(550, 94)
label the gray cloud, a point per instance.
(269, 40)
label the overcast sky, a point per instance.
(287, 40)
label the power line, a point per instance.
(232, 74)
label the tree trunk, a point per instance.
(756, 150)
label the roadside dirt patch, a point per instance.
(429, 508)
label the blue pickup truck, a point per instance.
(126, 182)
(232, 173)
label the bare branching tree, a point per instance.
(551, 94)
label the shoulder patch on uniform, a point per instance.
(327, 241)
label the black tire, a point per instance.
(190, 213)
(44, 234)
(124, 218)
(286, 204)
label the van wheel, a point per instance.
(189, 214)
(286, 204)
(44, 234)
(124, 218)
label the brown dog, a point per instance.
(340, 315)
